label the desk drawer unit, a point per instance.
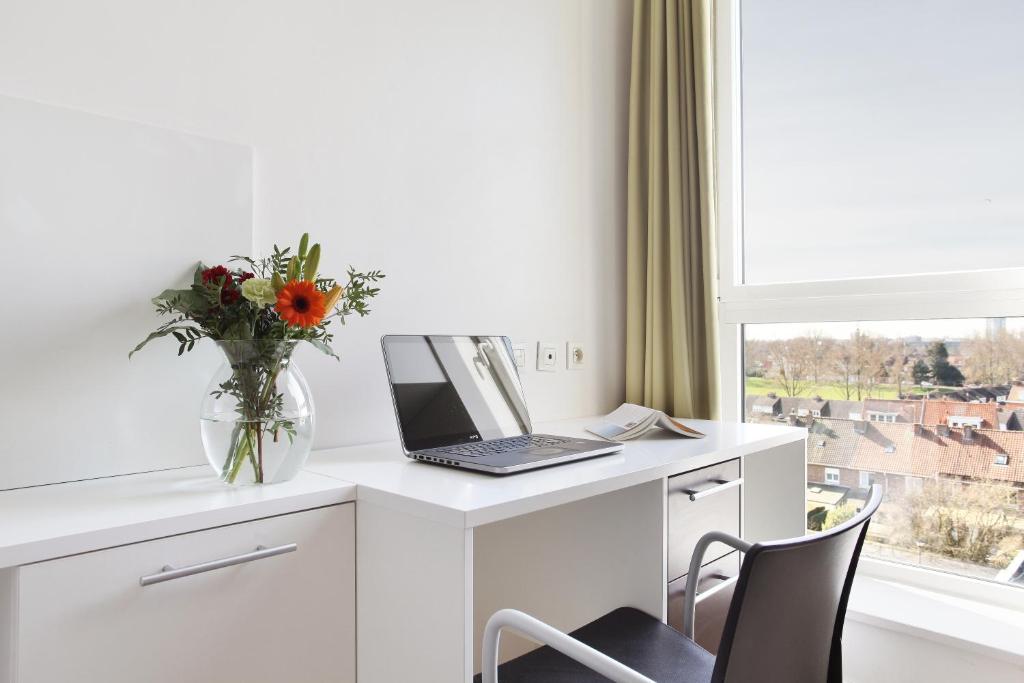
(700, 501)
(262, 602)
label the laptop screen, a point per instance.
(454, 390)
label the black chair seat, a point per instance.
(634, 638)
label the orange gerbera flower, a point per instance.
(300, 304)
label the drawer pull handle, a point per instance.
(169, 573)
(723, 485)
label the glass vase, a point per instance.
(257, 416)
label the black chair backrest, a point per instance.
(785, 622)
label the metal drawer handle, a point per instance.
(723, 485)
(169, 573)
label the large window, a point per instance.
(933, 412)
(881, 138)
(871, 253)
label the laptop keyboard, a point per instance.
(512, 443)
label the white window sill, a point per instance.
(986, 629)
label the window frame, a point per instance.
(990, 293)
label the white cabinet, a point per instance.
(288, 617)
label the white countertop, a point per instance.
(467, 499)
(45, 522)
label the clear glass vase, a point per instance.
(257, 415)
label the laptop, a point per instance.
(459, 402)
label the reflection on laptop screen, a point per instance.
(454, 390)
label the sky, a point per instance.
(879, 133)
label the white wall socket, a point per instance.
(574, 357)
(547, 356)
(519, 353)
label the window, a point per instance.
(848, 256)
(951, 501)
(847, 140)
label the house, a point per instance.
(846, 410)
(960, 413)
(857, 454)
(762, 407)
(1016, 392)
(882, 410)
(803, 407)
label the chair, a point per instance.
(785, 623)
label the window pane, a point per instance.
(881, 138)
(932, 411)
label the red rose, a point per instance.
(214, 275)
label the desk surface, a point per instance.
(467, 499)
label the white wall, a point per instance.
(873, 654)
(475, 151)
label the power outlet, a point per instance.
(519, 353)
(547, 356)
(574, 357)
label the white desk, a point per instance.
(439, 550)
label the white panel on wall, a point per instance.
(98, 215)
(474, 151)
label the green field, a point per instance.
(827, 390)
(835, 390)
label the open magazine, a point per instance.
(629, 421)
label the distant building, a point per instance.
(815, 406)
(960, 414)
(762, 407)
(882, 410)
(846, 410)
(994, 326)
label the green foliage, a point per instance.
(213, 305)
(941, 369)
(838, 515)
(920, 372)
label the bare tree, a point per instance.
(993, 358)
(821, 350)
(843, 361)
(868, 361)
(963, 520)
(790, 364)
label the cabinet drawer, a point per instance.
(712, 605)
(287, 617)
(718, 509)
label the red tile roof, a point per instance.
(956, 456)
(938, 412)
(895, 448)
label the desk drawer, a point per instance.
(713, 506)
(285, 615)
(714, 595)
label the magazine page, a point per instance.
(625, 422)
(674, 425)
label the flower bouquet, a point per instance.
(257, 417)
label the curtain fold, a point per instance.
(671, 264)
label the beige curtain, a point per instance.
(671, 285)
